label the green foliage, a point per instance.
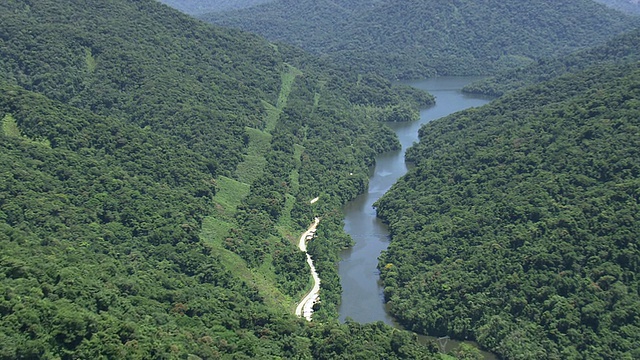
(90, 61)
(137, 234)
(467, 352)
(98, 256)
(622, 49)
(175, 76)
(517, 227)
(330, 237)
(10, 127)
(417, 39)
(252, 166)
(229, 196)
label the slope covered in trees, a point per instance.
(101, 253)
(176, 75)
(153, 170)
(518, 225)
(417, 39)
(622, 49)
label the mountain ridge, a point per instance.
(621, 49)
(411, 40)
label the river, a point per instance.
(362, 296)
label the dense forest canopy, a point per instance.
(155, 172)
(518, 225)
(416, 39)
(623, 48)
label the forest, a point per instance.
(418, 39)
(623, 48)
(518, 225)
(155, 173)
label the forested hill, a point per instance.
(199, 7)
(518, 225)
(622, 49)
(101, 255)
(155, 173)
(416, 39)
(156, 67)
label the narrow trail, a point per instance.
(305, 307)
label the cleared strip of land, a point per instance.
(305, 307)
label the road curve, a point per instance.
(305, 307)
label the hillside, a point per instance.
(416, 39)
(518, 225)
(199, 7)
(102, 258)
(155, 173)
(622, 49)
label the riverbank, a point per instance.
(305, 307)
(362, 294)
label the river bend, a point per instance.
(362, 296)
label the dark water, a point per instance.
(362, 296)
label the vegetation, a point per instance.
(155, 173)
(518, 225)
(622, 49)
(417, 39)
(132, 222)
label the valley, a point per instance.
(157, 173)
(362, 296)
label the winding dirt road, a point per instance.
(305, 307)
